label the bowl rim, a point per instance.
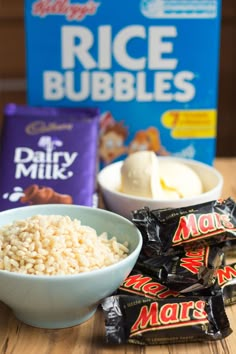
(83, 274)
(211, 169)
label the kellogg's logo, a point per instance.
(73, 12)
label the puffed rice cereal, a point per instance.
(56, 245)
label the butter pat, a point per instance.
(143, 174)
(140, 175)
(179, 180)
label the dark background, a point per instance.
(13, 71)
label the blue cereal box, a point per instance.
(150, 66)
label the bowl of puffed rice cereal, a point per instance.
(57, 262)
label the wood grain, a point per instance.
(89, 338)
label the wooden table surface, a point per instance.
(89, 338)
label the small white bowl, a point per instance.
(109, 181)
(60, 301)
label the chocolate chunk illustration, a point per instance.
(35, 194)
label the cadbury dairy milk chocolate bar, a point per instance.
(48, 155)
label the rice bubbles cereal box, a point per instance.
(151, 66)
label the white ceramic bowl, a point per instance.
(64, 301)
(109, 180)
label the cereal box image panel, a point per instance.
(138, 67)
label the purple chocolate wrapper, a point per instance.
(48, 155)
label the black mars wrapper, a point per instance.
(143, 284)
(167, 231)
(189, 271)
(144, 321)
